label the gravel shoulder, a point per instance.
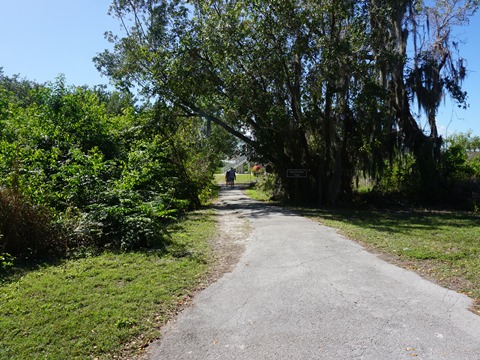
(233, 231)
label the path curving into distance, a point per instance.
(301, 291)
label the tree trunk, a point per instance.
(422, 147)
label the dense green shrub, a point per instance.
(268, 185)
(6, 260)
(461, 171)
(124, 220)
(91, 166)
(399, 178)
(455, 166)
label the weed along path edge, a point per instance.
(301, 291)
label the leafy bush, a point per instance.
(455, 164)
(6, 260)
(399, 178)
(123, 220)
(462, 172)
(267, 184)
(92, 170)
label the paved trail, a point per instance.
(301, 291)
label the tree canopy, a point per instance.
(328, 86)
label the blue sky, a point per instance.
(450, 117)
(41, 39)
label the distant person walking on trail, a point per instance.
(230, 177)
(227, 177)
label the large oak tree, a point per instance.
(322, 85)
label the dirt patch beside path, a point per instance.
(232, 234)
(228, 246)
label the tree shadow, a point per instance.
(389, 219)
(234, 200)
(396, 221)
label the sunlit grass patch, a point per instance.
(95, 306)
(257, 194)
(241, 179)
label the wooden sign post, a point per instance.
(297, 174)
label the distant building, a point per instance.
(237, 163)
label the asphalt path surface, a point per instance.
(301, 291)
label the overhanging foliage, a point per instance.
(322, 85)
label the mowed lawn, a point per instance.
(103, 306)
(241, 179)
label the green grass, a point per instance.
(414, 234)
(241, 179)
(256, 194)
(101, 305)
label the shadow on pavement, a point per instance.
(234, 199)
